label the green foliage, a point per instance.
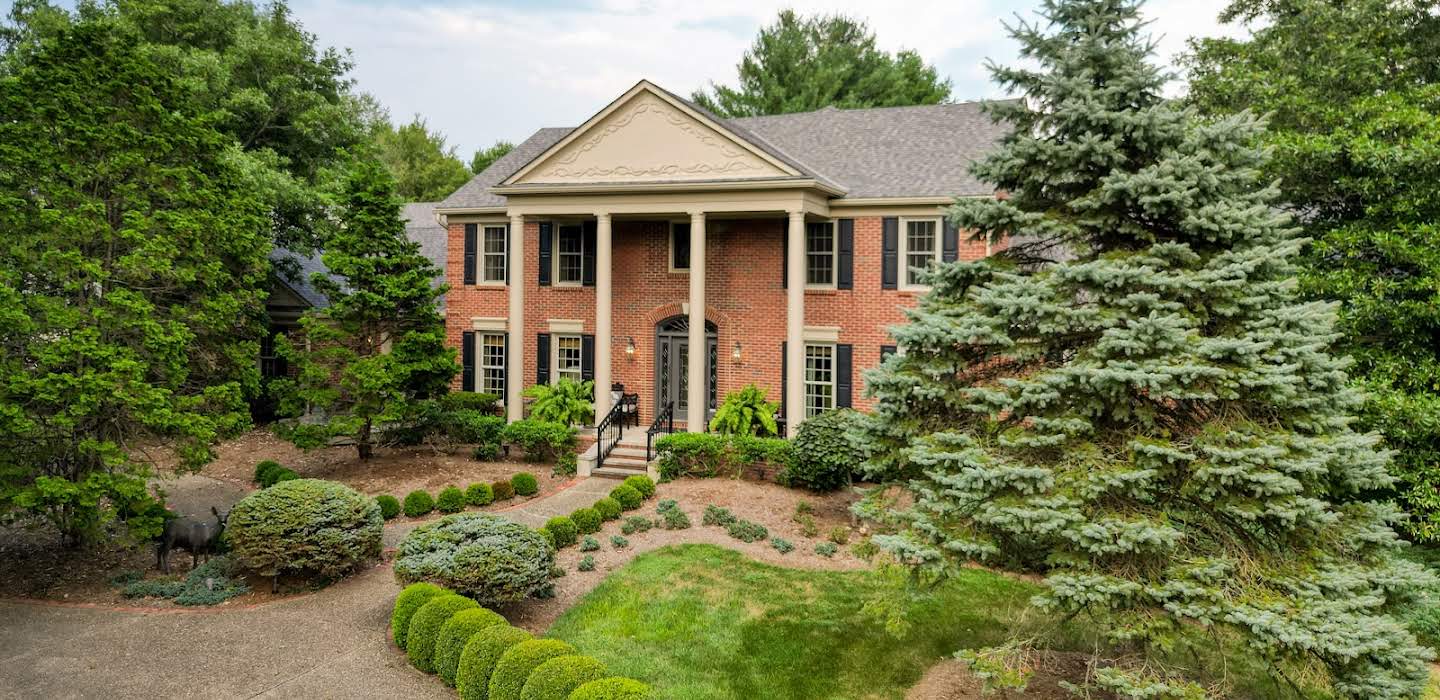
(564, 401)
(746, 412)
(824, 455)
(708, 454)
(608, 508)
(377, 352)
(489, 558)
(587, 563)
(782, 545)
(557, 678)
(671, 517)
(305, 526)
(454, 635)
(263, 471)
(839, 534)
(564, 530)
(715, 515)
(479, 494)
(807, 524)
(470, 426)
(418, 503)
(425, 626)
(826, 549)
(549, 538)
(586, 520)
(482, 652)
(451, 500)
(541, 440)
(524, 484)
(516, 664)
(283, 475)
(389, 506)
(217, 580)
(644, 484)
(747, 531)
(480, 402)
(613, 689)
(619, 542)
(747, 451)
(409, 601)
(486, 452)
(1154, 424)
(503, 490)
(800, 64)
(484, 157)
(424, 167)
(627, 496)
(589, 544)
(636, 523)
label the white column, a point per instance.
(696, 398)
(515, 361)
(602, 316)
(795, 324)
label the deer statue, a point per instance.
(195, 535)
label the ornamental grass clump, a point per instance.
(1154, 423)
(478, 659)
(489, 558)
(425, 628)
(455, 634)
(516, 664)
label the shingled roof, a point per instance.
(921, 151)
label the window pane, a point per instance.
(819, 378)
(492, 364)
(920, 245)
(819, 253)
(680, 246)
(494, 269)
(567, 357)
(568, 254)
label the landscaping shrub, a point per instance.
(608, 508)
(557, 572)
(715, 515)
(619, 542)
(840, 534)
(479, 494)
(865, 549)
(519, 661)
(283, 475)
(587, 563)
(486, 452)
(589, 544)
(691, 454)
(306, 526)
(455, 634)
(586, 520)
(470, 401)
(167, 587)
(211, 583)
(564, 401)
(746, 412)
(389, 506)
(410, 600)
(418, 503)
(808, 527)
(566, 464)
(782, 545)
(826, 549)
(503, 490)
(425, 627)
(542, 441)
(473, 427)
(636, 523)
(627, 496)
(525, 484)
(644, 484)
(824, 457)
(671, 517)
(557, 678)
(549, 538)
(747, 531)
(484, 556)
(745, 450)
(264, 471)
(563, 529)
(615, 688)
(451, 500)
(478, 659)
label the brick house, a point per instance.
(608, 250)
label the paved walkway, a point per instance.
(332, 644)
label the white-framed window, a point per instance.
(492, 261)
(679, 246)
(819, 378)
(492, 364)
(567, 357)
(569, 254)
(919, 249)
(820, 253)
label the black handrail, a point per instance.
(614, 419)
(664, 422)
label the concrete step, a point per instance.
(613, 471)
(623, 450)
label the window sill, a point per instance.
(822, 291)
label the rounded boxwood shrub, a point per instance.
(479, 494)
(628, 497)
(389, 505)
(305, 526)
(265, 470)
(425, 627)
(283, 475)
(823, 457)
(418, 503)
(483, 556)
(557, 678)
(451, 500)
(525, 484)
(564, 530)
(503, 490)
(516, 664)
(410, 600)
(586, 520)
(644, 484)
(478, 659)
(608, 508)
(549, 537)
(615, 688)
(455, 634)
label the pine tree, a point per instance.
(379, 347)
(1156, 425)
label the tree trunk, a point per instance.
(363, 445)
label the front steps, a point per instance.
(627, 459)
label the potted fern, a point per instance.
(746, 412)
(566, 401)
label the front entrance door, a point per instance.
(672, 364)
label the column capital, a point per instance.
(602, 216)
(697, 216)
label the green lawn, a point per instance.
(698, 621)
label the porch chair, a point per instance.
(629, 404)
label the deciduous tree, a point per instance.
(486, 156)
(424, 168)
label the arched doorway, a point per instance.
(672, 364)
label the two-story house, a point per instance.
(784, 246)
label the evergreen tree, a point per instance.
(1156, 426)
(379, 347)
(132, 270)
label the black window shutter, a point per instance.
(889, 252)
(471, 243)
(680, 246)
(845, 255)
(784, 359)
(542, 358)
(949, 241)
(785, 258)
(587, 246)
(886, 351)
(842, 376)
(587, 358)
(467, 361)
(547, 239)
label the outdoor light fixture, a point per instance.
(630, 345)
(735, 354)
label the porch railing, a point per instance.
(608, 432)
(664, 423)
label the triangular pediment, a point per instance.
(648, 135)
